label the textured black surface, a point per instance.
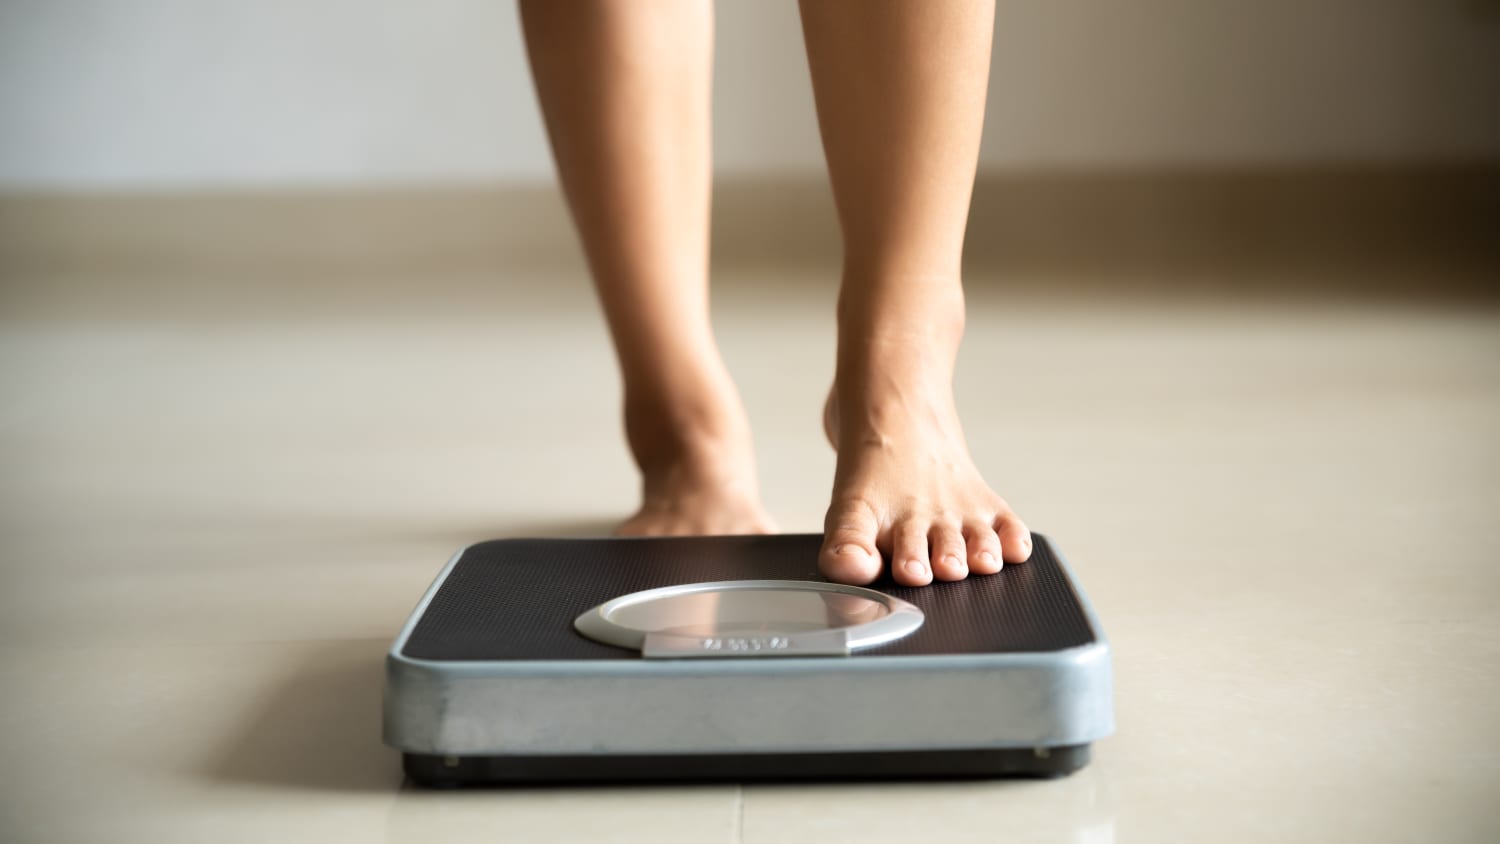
(456, 771)
(516, 599)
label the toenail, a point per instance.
(915, 568)
(987, 558)
(953, 561)
(844, 550)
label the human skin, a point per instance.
(900, 88)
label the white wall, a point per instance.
(125, 94)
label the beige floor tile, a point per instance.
(267, 742)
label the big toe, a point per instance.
(849, 554)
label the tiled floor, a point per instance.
(216, 509)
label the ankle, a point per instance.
(697, 430)
(900, 317)
(896, 355)
(693, 451)
(891, 351)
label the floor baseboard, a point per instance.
(1226, 221)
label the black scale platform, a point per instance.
(516, 599)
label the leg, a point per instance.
(900, 89)
(624, 88)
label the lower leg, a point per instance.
(624, 88)
(900, 89)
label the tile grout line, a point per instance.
(738, 835)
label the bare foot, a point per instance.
(697, 465)
(702, 496)
(906, 493)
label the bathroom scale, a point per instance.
(731, 658)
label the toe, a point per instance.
(849, 554)
(949, 560)
(909, 563)
(1015, 538)
(983, 545)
